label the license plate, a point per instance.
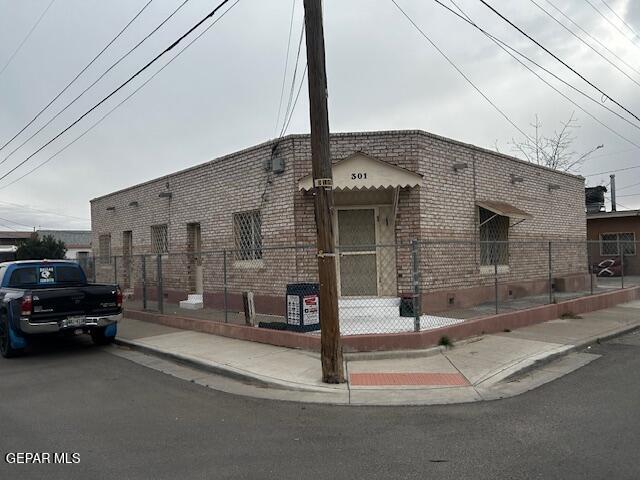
(75, 321)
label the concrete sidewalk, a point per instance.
(482, 368)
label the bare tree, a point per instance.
(555, 151)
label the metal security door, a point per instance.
(356, 241)
(194, 251)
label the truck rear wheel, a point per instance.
(99, 338)
(6, 350)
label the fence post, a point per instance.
(144, 282)
(160, 287)
(621, 253)
(495, 274)
(415, 279)
(550, 276)
(224, 284)
(589, 268)
(115, 269)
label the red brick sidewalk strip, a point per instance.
(408, 378)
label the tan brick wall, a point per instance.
(448, 212)
(208, 194)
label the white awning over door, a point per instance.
(360, 171)
(504, 209)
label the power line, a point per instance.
(612, 24)
(628, 186)
(24, 40)
(122, 85)
(611, 154)
(17, 223)
(618, 203)
(611, 52)
(612, 171)
(293, 80)
(557, 58)
(286, 66)
(77, 76)
(95, 124)
(502, 44)
(295, 102)
(42, 211)
(529, 59)
(95, 81)
(469, 81)
(507, 48)
(9, 227)
(582, 40)
(620, 18)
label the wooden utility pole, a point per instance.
(331, 348)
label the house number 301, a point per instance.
(358, 176)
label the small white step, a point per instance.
(368, 307)
(193, 302)
(360, 302)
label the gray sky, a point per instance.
(222, 94)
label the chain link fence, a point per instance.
(383, 288)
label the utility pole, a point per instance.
(331, 348)
(612, 177)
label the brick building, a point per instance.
(77, 242)
(390, 188)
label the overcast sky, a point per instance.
(222, 94)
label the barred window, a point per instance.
(159, 238)
(104, 248)
(609, 243)
(494, 235)
(247, 233)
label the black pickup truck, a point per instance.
(46, 297)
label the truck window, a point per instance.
(71, 274)
(22, 277)
(46, 276)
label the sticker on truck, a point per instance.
(46, 275)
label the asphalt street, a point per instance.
(129, 422)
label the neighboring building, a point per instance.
(78, 242)
(9, 244)
(614, 233)
(390, 188)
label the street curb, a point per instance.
(555, 356)
(283, 386)
(218, 369)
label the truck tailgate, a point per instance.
(89, 300)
